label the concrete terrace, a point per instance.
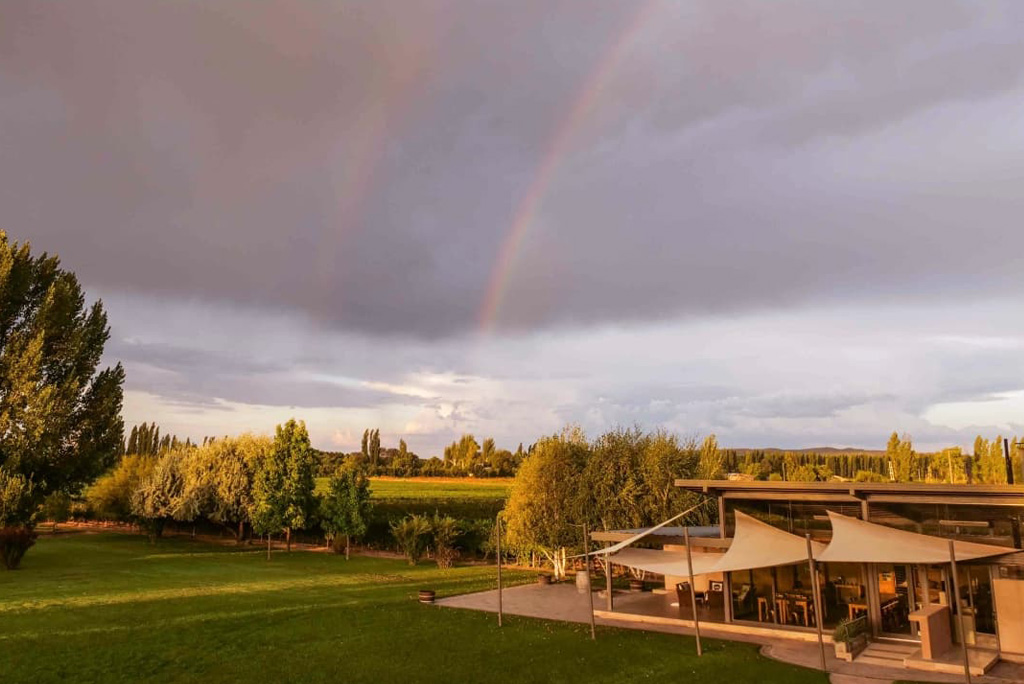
(563, 602)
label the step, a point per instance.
(865, 659)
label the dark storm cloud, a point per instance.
(362, 162)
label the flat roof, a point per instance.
(854, 492)
(700, 535)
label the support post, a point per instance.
(1014, 520)
(726, 577)
(608, 581)
(817, 601)
(693, 591)
(959, 612)
(497, 530)
(590, 589)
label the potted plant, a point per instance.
(850, 638)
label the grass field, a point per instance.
(446, 488)
(110, 608)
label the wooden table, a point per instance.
(804, 604)
(857, 608)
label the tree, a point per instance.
(60, 423)
(159, 497)
(294, 452)
(375, 448)
(269, 499)
(345, 508)
(110, 497)
(542, 509)
(57, 508)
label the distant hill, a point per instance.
(812, 450)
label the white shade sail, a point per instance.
(666, 562)
(757, 544)
(857, 541)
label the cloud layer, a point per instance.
(358, 171)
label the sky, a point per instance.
(790, 224)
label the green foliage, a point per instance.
(57, 508)
(868, 476)
(413, 536)
(16, 500)
(849, 629)
(160, 497)
(269, 499)
(544, 508)
(345, 508)
(293, 451)
(283, 483)
(60, 423)
(110, 497)
(445, 532)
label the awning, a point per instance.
(857, 541)
(615, 548)
(666, 562)
(759, 545)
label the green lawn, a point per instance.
(110, 608)
(435, 488)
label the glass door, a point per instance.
(896, 595)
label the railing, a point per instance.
(855, 628)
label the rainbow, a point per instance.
(584, 102)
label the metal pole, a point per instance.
(693, 592)
(497, 530)
(817, 601)
(960, 613)
(590, 592)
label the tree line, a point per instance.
(465, 457)
(900, 462)
(247, 485)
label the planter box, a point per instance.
(850, 651)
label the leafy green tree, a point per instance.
(543, 507)
(293, 449)
(269, 512)
(110, 497)
(375, 448)
(159, 497)
(60, 419)
(345, 508)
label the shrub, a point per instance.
(14, 542)
(848, 629)
(413, 536)
(445, 533)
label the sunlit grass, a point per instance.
(112, 608)
(435, 488)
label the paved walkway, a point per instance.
(562, 602)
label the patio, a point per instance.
(653, 611)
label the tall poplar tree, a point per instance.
(60, 418)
